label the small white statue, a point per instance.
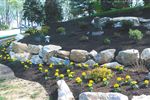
(47, 38)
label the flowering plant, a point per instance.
(105, 82)
(134, 85)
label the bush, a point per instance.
(32, 31)
(107, 41)
(127, 24)
(98, 74)
(84, 38)
(45, 29)
(83, 25)
(61, 30)
(135, 34)
(3, 26)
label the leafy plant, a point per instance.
(3, 26)
(107, 41)
(45, 29)
(127, 24)
(98, 74)
(84, 38)
(61, 30)
(32, 31)
(135, 34)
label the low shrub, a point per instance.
(98, 74)
(60, 30)
(136, 35)
(107, 41)
(84, 38)
(45, 29)
(32, 31)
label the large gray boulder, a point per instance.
(145, 55)
(128, 57)
(35, 59)
(63, 54)
(34, 49)
(147, 25)
(102, 96)
(79, 56)
(141, 97)
(55, 60)
(6, 72)
(47, 51)
(19, 47)
(90, 62)
(64, 93)
(20, 56)
(105, 56)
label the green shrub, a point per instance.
(127, 24)
(135, 34)
(3, 26)
(45, 29)
(83, 25)
(61, 30)
(99, 73)
(32, 31)
(84, 38)
(107, 41)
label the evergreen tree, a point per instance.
(33, 11)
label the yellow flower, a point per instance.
(51, 65)
(22, 62)
(128, 77)
(46, 71)
(72, 73)
(91, 81)
(60, 63)
(134, 82)
(117, 67)
(119, 79)
(57, 70)
(40, 65)
(78, 80)
(70, 76)
(40, 68)
(116, 85)
(56, 74)
(105, 65)
(71, 63)
(146, 82)
(86, 65)
(68, 70)
(96, 65)
(83, 74)
(61, 76)
(121, 68)
(80, 65)
(104, 79)
(90, 84)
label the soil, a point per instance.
(33, 74)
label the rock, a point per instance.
(19, 37)
(134, 20)
(141, 97)
(90, 62)
(145, 55)
(64, 92)
(34, 49)
(147, 25)
(48, 51)
(77, 55)
(20, 56)
(93, 53)
(99, 33)
(6, 72)
(84, 38)
(128, 57)
(18, 47)
(55, 60)
(105, 56)
(19, 89)
(100, 22)
(148, 76)
(35, 59)
(63, 54)
(112, 65)
(102, 96)
(117, 25)
(147, 32)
